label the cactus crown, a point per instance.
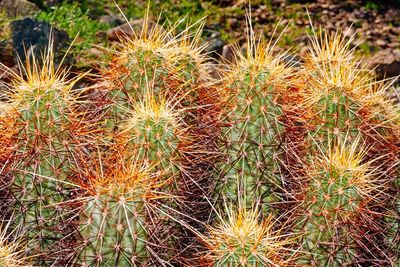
(123, 177)
(40, 78)
(152, 110)
(340, 179)
(11, 252)
(258, 62)
(244, 240)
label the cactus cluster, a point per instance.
(161, 163)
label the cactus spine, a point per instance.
(11, 250)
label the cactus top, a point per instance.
(243, 240)
(11, 251)
(130, 178)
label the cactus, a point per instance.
(120, 217)
(256, 86)
(334, 205)
(240, 238)
(154, 130)
(318, 143)
(42, 130)
(341, 98)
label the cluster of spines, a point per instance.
(12, 252)
(240, 237)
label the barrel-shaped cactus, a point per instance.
(335, 199)
(119, 218)
(42, 131)
(340, 97)
(252, 142)
(153, 129)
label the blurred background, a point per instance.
(97, 23)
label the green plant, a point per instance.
(71, 18)
(5, 32)
(373, 5)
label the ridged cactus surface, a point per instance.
(114, 223)
(336, 194)
(43, 135)
(251, 143)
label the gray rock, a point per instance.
(215, 46)
(112, 20)
(293, 60)
(15, 8)
(228, 53)
(33, 36)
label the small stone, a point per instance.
(15, 8)
(228, 53)
(381, 42)
(112, 20)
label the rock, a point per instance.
(386, 63)
(215, 46)
(33, 36)
(6, 53)
(292, 60)
(228, 53)
(15, 8)
(112, 20)
(125, 30)
(381, 42)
